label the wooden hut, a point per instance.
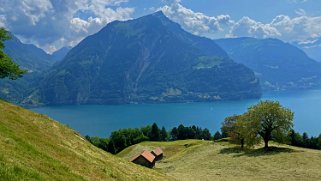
(158, 153)
(146, 159)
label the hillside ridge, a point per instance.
(35, 147)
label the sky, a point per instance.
(53, 24)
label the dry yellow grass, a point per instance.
(34, 147)
(205, 160)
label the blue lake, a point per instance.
(101, 120)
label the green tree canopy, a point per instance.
(7, 67)
(269, 120)
(240, 130)
(217, 136)
(163, 134)
(231, 126)
(155, 134)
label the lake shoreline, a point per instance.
(101, 120)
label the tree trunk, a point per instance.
(242, 143)
(266, 143)
(266, 137)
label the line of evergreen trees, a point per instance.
(296, 139)
(192, 132)
(124, 138)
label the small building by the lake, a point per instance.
(146, 159)
(158, 153)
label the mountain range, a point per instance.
(311, 47)
(60, 54)
(151, 60)
(30, 58)
(279, 65)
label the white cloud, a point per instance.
(2, 21)
(300, 12)
(251, 28)
(30, 11)
(171, 1)
(297, 1)
(52, 24)
(298, 28)
(307, 42)
(195, 22)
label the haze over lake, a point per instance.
(101, 120)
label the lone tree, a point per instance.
(270, 120)
(241, 130)
(7, 67)
(233, 127)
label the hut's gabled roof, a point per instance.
(147, 155)
(158, 151)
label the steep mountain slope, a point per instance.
(279, 65)
(18, 91)
(60, 54)
(28, 57)
(150, 59)
(34, 147)
(311, 47)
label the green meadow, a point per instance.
(208, 160)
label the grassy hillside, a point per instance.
(34, 147)
(205, 160)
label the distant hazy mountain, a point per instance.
(279, 65)
(30, 58)
(60, 54)
(149, 59)
(311, 47)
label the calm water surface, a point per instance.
(101, 120)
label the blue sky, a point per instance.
(261, 10)
(52, 24)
